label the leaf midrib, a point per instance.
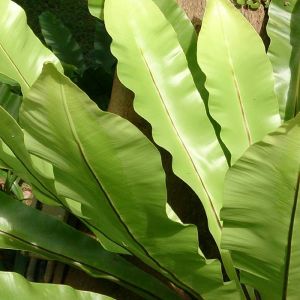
(86, 161)
(182, 143)
(234, 78)
(14, 65)
(290, 239)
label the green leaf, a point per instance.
(24, 228)
(9, 100)
(239, 77)
(96, 8)
(59, 38)
(101, 53)
(15, 156)
(153, 65)
(261, 214)
(117, 177)
(187, 38)
(22, 55)
(6, 80)
(14, 286)
(284, 52)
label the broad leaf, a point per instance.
(261, 214)
(14, 286)
(239, 77)
(61, 41)
(54, 239)
(153, 65)
(284, 51)
(22, 55)
(117, 177)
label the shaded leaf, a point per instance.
(9, 100)
(54, 239)
(61, 41)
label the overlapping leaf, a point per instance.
(96, 8)
(152, 64)
(15, 156)
(117, 177)
(21, 53)
(9, 100)
(61, 41)
(261, 214)
(14, 286)
(54, 239)
(284, 51)
(239, 77)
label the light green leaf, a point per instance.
(96, 8)
(262, 216)
(16, 287)
(24, 228)
(187, 38)
(117, 177)
(22, 55)
(239, 77)
(284, 51)
(153, 65)
(61, 41)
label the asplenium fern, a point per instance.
(222, 130)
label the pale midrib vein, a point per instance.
(289, 241)
(181, 142)
(15, 66)
(235, 81)
(108, 198)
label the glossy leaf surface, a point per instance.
(239, 77)
(153, 65)
(54, 239)
(15, 287)
(94, 168)
(284, 51)
(22, 55)
(261, 214)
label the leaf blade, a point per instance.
(260, 202)
(124, 162)
(168, 98)
(14, 285)
(230, 53)
(284, 52)
(21, 53)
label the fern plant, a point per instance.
(218, 103)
